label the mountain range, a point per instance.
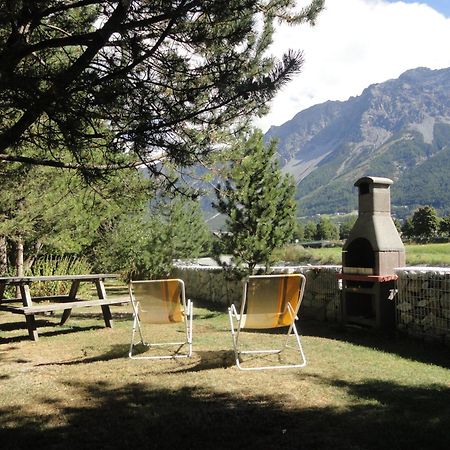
(398, 129)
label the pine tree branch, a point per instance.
(67, 165)
(64, 79)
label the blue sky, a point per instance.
(443, 6)
(356, 43)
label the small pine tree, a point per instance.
(425, 222)
(407, 229)
(444, 226)
(299, 232)
(258, 202)
(144, 245)
(326, 230)
(188, 231)
(310, 230)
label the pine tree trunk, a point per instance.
(19, 257)
(19, 262)
(3, 256)
(28, 263)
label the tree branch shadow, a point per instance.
(147, 416)
(392, 342)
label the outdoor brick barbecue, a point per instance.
(369, 256)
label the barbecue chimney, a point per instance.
(369, 256)
(374, 245)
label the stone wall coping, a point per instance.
(290, 268)
(411, 269)
(423, 269)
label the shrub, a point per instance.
(292, 254)
(58, 265)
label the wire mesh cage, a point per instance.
(322, 297)
(423, 302)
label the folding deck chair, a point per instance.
(269, 301)
(161, 302)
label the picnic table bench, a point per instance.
(29, 306)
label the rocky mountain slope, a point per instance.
(398, 129)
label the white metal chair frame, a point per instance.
(235, 332)
(188, 314)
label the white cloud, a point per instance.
(354, 44)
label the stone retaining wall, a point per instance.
(423, 302)
(210, 285)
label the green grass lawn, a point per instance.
(428, 254)
(423, 254)
(76, 389)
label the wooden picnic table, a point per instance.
(29, 306)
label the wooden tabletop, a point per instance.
(86, 277)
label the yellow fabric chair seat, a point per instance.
(269, 301)
(160, 302)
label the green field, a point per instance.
(428, 254)
(423, 254)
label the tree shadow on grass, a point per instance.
(207, 360)
(21, 325)
(116, 352)
(389, 342)
(50, 325)
(200, 361)
(213, 307)
(42, 327)
(146, 416)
